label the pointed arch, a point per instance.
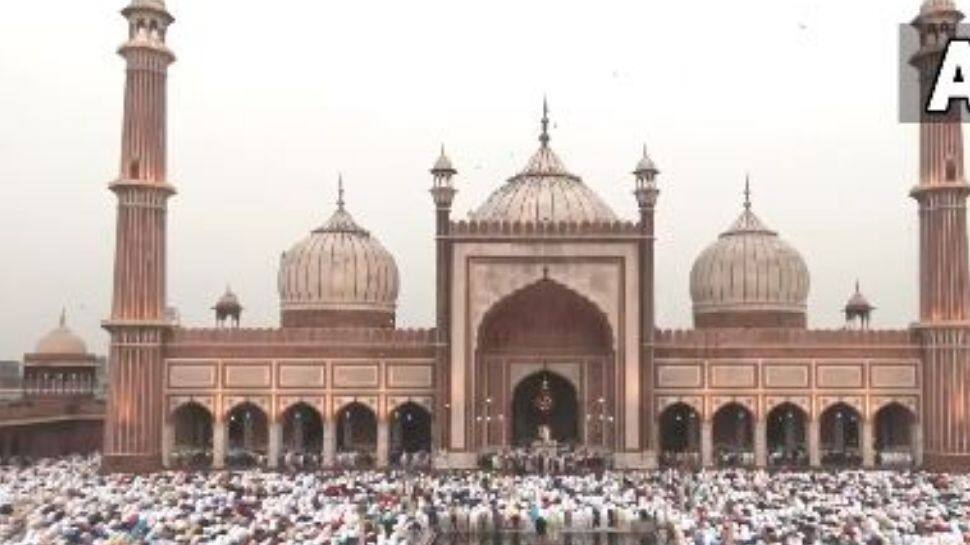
(680, 439)
(501, 325)
(302, 429)
(840, 434)
(733, 434)
(787, 435)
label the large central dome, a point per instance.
(544, 192)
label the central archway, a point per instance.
(544, 331)
(545, 399)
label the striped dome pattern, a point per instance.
(749, 268)
(544, 192)
(339, 266)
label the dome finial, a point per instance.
(544, 137)
(747, 191)
(340, 191)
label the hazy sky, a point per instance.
(269, 100)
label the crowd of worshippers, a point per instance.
(559, 459)
(786, 458)
(68, 501)
(298, 460)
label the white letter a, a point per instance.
(953, 77)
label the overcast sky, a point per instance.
(270, 100)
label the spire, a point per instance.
(340, 192)
(340, 221)
(63, 320)
(544, 136)
(857, 285)
(747, 191)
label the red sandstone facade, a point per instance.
(543, 291)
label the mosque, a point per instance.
(544, 331)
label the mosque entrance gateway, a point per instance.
(546, 369)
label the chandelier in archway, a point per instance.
(544, 400)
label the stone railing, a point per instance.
(474, 228)
(33, 410)
(785, 337)
(303, 335)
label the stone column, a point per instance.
(168, 442)
(814, 455)
(707, 443)
(329, 442)
(866, 438)
(760, 443)
(382, 442)
(916, 442)
(218, 444)
(275, 444)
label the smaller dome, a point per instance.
(228, 302)
(61, 341)
(646, 165)
(150, 4)
(935, 6)
(858, 302)
(443, 165)
(338, 276)
(749, 277)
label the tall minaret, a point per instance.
(646, 192)
(443, 192)
(943, 327)
(138, 326)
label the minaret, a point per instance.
(443, 193)
(133, 422)
(646, 192)
(944, 282)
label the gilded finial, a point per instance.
(544, 137)
(747, 191)
(340, 191)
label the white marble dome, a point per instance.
(338, 268)
(61, 341)
(749, 277)
(544, 192)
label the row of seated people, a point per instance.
(199, 458)
(561, 459)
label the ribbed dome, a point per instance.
(61, 341)
(749, 277)
(336, 275)
(544, 192)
